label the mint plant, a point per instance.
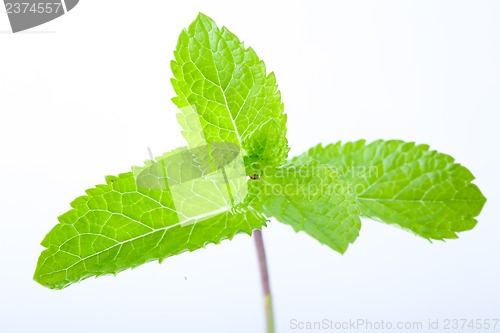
(234, 175)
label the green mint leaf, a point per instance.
(311, 198)
(224, 94)
(406, 184)
(180, 202)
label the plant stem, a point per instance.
(264, 277)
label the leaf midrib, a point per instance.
(219, 85)
(164, 229)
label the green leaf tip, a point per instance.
(130, 220)
(405, 184)
(225, 94)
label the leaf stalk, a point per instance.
(264, 276)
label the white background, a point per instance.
(85, 95)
